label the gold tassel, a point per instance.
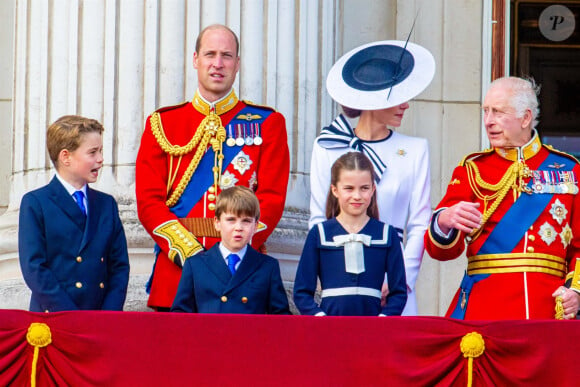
(38, 336)
(472, 346)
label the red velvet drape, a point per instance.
(161, 349)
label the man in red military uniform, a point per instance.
(517, 209)
(190, 152)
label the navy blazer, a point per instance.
(70, 261)
(207, 286)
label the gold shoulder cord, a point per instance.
(209, 131)
(512, 179)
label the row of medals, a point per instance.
(253, 139)
(554, 182)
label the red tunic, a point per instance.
(264, 168)
(522, 279)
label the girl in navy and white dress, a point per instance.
(351, 251)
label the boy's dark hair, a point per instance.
(67, 133)
(350, 161)
(238, 200)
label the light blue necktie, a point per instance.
(80, 199)
(232, 260)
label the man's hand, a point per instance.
(570, 301)
(463, 216)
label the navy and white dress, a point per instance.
(403, 197)
(351, 269)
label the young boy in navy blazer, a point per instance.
(72, 246)
(232, 277)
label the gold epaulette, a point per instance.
(266, 107)
(172, 107)
(475, 155)
(561, 153)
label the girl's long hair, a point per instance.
(351, 161)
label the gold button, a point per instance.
(79, 285)
(46, 311)
(211, 189)
(530, 249)
(224, 298)
(79, 259)
(531, 237)
(211, 206)
(532, 227)
(102, 285)
(244, 299)
(211, 197)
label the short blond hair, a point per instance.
(67, 133)
(238, 200)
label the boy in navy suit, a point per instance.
(232, 277)
(72, 246)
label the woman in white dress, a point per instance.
(374, 82)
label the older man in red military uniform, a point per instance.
(190, 152)
(517, 208)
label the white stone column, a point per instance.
(119, 60)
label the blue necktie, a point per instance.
(79, 197)
(232, 260)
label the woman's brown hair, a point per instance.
(351, 161)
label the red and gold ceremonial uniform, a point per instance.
(527, 246)
(188, 154)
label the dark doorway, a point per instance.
(545, 44)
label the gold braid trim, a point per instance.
(512, 179)
(173, 150)
(182, 244)
(209, 131)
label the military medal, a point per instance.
(249, 140)
(230, 141)
(257, 138)
(566, 235)
(228, 180)
(547, 233)
(242, 162)
(558, 211)
(239, 139)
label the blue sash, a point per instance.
(466, 285)
(524, 212)
(202, 178)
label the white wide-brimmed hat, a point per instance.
(380, 75)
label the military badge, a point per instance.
(547, 233)
(249, 117)
(558, 211)
(253, 182)
(556, 165)
(242, 162)
(228, 180)
(566, 235)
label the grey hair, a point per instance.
(524, 95)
